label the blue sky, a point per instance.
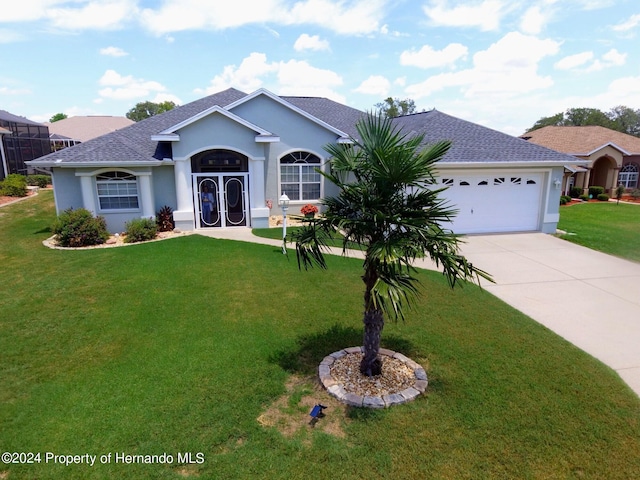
(501, 63)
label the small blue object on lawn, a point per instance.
(316, 413)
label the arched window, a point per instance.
(117, 190)
(298, 176)
(629, 175)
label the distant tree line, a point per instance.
(620, 118)
(144, 110)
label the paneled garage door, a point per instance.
(495, 202)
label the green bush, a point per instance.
(635, 193)
(140, 230)
(584, 197)
(79, 228)
(563, 200)
(595, 191)
(41, 181)
(575, 192)
(15, 185)
(603, 197)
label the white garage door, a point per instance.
(494, 202)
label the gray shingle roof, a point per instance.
(474, 143)
(471, 142)
(10, 117)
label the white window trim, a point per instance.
(120, 182)
(319, 165)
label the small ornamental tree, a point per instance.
(388, 205)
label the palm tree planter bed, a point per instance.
(401, 380)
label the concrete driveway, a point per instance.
(589, 298)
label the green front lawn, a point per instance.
(191, 344)
(605, 226)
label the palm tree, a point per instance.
(388, 206)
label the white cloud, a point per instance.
(11, 36)
(104, 15)
(507, 68)
(374, 85)
(355, 17)
(14, 91)
(632, 22)
(427, 57)
(299, 78)
(612, 58)
(118, 87)
(246, 77)
(573, 61)
(113, 52)
(306, 42)
(485, 14)
(285, 78)
(533, 21)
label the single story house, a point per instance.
(223, 160)
(77, 129)
(613, 157)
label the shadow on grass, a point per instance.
(310, 349)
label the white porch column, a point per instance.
(184, 216)
(182, 170)
(146, 195)
(88, 198)
(259, 210)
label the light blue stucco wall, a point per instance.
(67, 189)
(296, 133)
(68, 193)
(164, 187)
(216, 130)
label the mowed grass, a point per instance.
(180, 345)
(605, 226)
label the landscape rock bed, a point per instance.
(401, 381)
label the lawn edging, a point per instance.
(337, 390)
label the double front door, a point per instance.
(221, 200)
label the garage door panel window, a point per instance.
(299, 179)
(117, 191)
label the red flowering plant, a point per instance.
(309, 209)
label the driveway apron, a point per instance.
(589, 298)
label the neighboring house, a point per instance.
(218, 161)
(21, 140)
(73, 130)
(614, 157)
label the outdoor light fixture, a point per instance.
(557, 183)
(284, 204)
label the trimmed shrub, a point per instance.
(563, 201)
(41, 181)
(164, 219)
(603, 197)
(15, 185)
(595, 191)
(575, 192)
(584, 198)
(79, 228)
(140, 230)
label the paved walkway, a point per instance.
(589, 298)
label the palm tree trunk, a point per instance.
(371, 365)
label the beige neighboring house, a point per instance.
(74, 130)
(614, 157)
